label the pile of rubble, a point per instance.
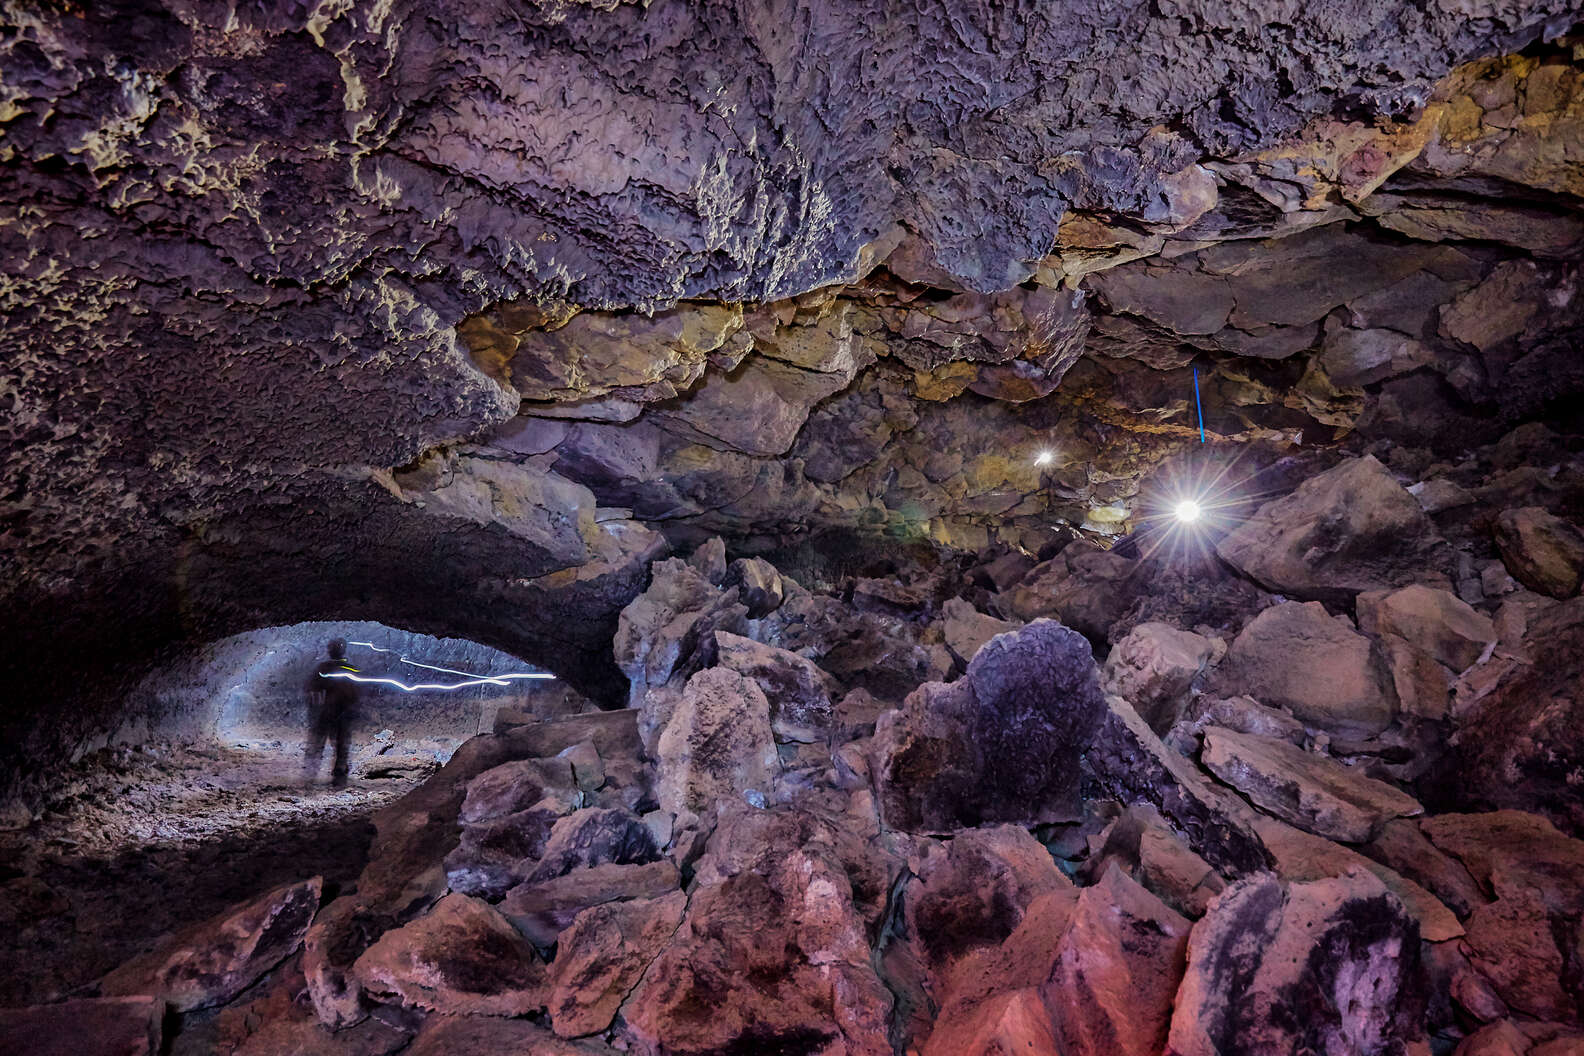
(1325, 801)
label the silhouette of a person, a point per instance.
(332, 705)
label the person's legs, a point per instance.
(313, 751)
(343, 738)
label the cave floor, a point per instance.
(137, 843)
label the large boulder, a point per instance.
(1314, 792)
(966, 629)
(487, 1036)
(1085, 588)
(462, 957)
(772, 956)
(966, 896)
(1129, 763)
(601, 957)
(1434, 621)
(1297, 656)
(1002, 744)
(1349, 529)
(1141, 844)
(211, 962)
(1117, 970)
(594, 836)
(660, 632)
(1329, 966)
(493, 855)
(519, 785)
(799, 692)
(1528, 941)
(1542, 551)
(542, 909)
(716, 744)
(1153, 667)
(1522, 746)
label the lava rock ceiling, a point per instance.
(455, 316)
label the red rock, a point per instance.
(212, 962)
(1014, 1023)
(519, 785)
(1143, 846)
(1542, 551)
(799, 692)
(109, 1026)
(1117, 970)
(1327, 966)
(460, 957)
(601, 957)
(1496, 1039)
(772, 955)
(541, 910)
(1314, 792)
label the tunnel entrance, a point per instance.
(200, 798)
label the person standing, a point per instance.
(332, 705)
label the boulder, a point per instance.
(103, 1026)
(588, 769)
(462, 957)
(967, 895)
(1349, 529)
(1153, 667)
(601, 957)
(1302, 856)
(1434, 621)
(966, 629)
(1086, 588)
(1527, 941)
(1522, 743)
(1328, 966)
(1297, 656)
(211, 962)
(495, 854)
(1402, 846)
(1501, 1038)
(717, 744)
(993, 995)
(1542, 551)
(758, 585)
(1002, 744)
(1141, 844)
(1127, 762)
(709, 560)
(1117, 970)
(1242, 713)
(661, 630)
(799, 692)
(541, 910)
(772, 956)
(517, 786)
(594, 836)
(1423, 684)
(481, 1036)
(1314, 792)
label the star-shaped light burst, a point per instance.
(1192, 502)
(1044, 458)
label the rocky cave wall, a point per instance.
(453, 319)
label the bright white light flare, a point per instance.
(1044, 458)
(1187, 511)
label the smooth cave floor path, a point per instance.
(136, 843)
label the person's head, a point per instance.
(337, 648)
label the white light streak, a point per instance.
(495, 680)
(473, 679)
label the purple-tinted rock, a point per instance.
(1001, 744)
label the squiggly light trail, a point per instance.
(472, 679)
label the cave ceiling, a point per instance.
(455, 315)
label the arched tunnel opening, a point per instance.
(1054, 530)
(206, 794)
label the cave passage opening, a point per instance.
(199, 798)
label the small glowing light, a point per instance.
(1044, 458)
(1187, 511)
